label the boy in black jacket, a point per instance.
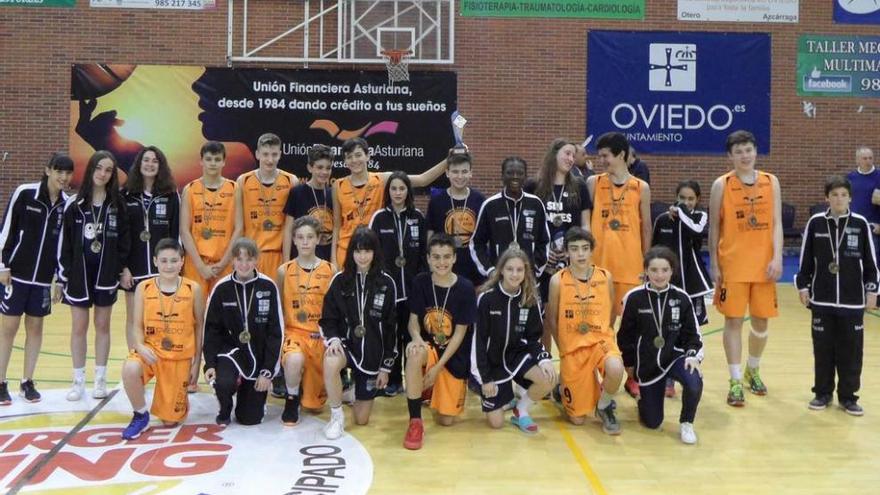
(838, 280)
(243, 337)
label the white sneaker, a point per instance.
(688, 435)
(100, 390)
(76, 391)
(348, 396)
(335, 428)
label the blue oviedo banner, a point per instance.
(857, 11)
(679, 92)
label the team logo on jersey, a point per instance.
(161, 209)
(195, 457)
(675, 314)
(852, 241)
(461, 224)
(263, 306)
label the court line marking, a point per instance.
(59, 354)
(579, 456)
(23, 480)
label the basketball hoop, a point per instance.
(397, 64)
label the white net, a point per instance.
(397, 65)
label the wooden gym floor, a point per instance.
(773, 445)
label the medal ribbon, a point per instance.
(660, 309)
(838, 237)
(443, 308)
(245, 309)
(513, 217)
(302, 293)
(361, 294)
(165, 316)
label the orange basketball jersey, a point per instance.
(302, 295)
(169, 321)
(617, 225)
(745, 243)
(212, 217)
(584, 312)
(264, 208)
(357, 205)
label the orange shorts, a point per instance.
(311, 346)
(577, 375)
(170, 402)
(268, 263)
(620, 290)
(447, 396)
(732, 298)
(190, 272)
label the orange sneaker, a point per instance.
(415, 434)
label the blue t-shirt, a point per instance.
(863, 186)
(458, 218)
(304, 200)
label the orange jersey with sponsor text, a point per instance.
(262, 203)
(214, 210)
(745, 245)
(584, 312)
(619, 251)
(170, 317)
(304, 290)
(357, 205)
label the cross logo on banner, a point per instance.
(672, 67)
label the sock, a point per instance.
(415, 408)
(754, 362)
(100, 372)
(142, 410)
(524, 404)
(604, 400)
(293, 391)
(336, 412)
(79, 375)
(735, 371)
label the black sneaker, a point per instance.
(29, 391)
(223, 419)
(279, 387)
(392, 390)
(557, 397)
(290, 415)
(610, 425)
(5, 399)
(820, 402)
(852, 407)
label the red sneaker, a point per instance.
(414, 434)
(632, 388)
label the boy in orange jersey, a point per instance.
(358, 196)
(578, 315)
(303, 281)
(264, 193)
(745, 252)
(621, 221)
(210, 219)
(167, 336)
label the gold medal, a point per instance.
(207, 233)
(557, 221)
(753, 220)
(834, 268)
(302, 316)
(400, 261)
(167, 344)
(360, 331)
(95, 246)
(244, 337)
(614, 224)
(268, 225)
(145, 236)
(584, 327)
(659, 342)
(513, 245)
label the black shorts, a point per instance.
(23, 298)
(505, 390)
(364, 384)
(97, 297)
